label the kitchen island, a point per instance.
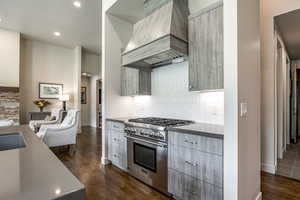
(33, 172)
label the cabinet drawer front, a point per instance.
(201, 143)
(188, 188)
(118, 154)
(204, 166)
(117, 137)
(116, 126)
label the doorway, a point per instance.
(99, 103)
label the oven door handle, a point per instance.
(153, 143)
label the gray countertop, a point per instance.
(34, 172)
(120, 119)
(205, 129)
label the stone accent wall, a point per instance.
(10, 104)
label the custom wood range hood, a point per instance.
(161, 37)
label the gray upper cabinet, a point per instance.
(135, 81)
(206, 49)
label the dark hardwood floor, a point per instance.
(103, 182)
(279, 188)
(110, 183)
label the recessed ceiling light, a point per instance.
(57, 34)
(77, 4)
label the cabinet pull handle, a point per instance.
(190, 163)
(190, 142)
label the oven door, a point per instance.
(147, 161)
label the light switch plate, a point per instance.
(244, 109)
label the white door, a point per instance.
(280, 101)
(294, 104)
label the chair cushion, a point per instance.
(67, 121)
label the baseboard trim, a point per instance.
(268, 168)
(104, 161)
(259, 196)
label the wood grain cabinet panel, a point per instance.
(206, 49)
(135, 82)
(117, 144)
(204, 166)
(195, 166)
(184, 187)
(201, 143)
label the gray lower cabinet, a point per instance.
(184, 187)
(135, 81)
(206, 49)
(117, 144)
(195, 167)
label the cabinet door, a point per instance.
(185, 187)
(135, 82)
(109, 138)
(117, 144)
(130, 81)
(204, 166)
(206, 50)
(144, 82)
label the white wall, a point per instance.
(9, 58)
(242, 85)
(171, 98)
(269, 9)
(115, 35)
(91, 63)
(43, 62)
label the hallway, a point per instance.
(289, 166)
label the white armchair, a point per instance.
(57, 113)
(61, 134)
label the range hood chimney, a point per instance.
(160, 37)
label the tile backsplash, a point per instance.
(171, 98)
(10, 104)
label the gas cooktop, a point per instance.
(162, 122)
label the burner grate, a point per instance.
(161, 121)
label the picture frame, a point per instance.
(83, 95)
(50, 90)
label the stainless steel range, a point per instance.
(147, 149)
